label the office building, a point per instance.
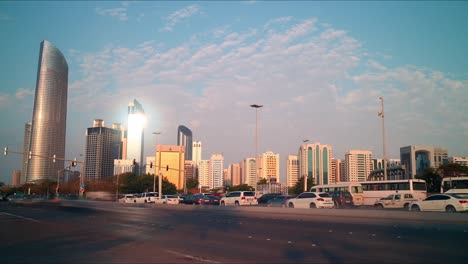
(378, 163)
(234, 174)
(171, 160)
(184, 138)
(459, 160)
(189, 169)
(196, 156)
(135, 132)
(269, 167)
(292, 170)
(415, 159)
(124, 166)
(102, 148)
(315, 162)
(227, 180)
(49, 119)
(16, 178)
(358, 165)
(216, 170)
(336, 170)
(249, 171)
(204, 179)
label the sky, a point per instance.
(318, 68)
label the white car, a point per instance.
(147, 197)
(311, 200)
(239, 198)
(168, 199)
(128, 198)
(451, 203)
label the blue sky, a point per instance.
(318, 67)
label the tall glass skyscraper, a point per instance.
(184, 138)
(49, 121)
(135, 136)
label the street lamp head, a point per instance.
(256, 105)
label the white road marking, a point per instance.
(249, 236)
(22, 217)
(374, 235)
(330, 230)
(192, 257)
(350, 233)
(289, 242)
(314, 245)
(398, 237)
(268, 239)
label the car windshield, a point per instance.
(460, 195)
(249, 194)
(171, 196)
(324, 195)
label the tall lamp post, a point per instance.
(256, 106)
(155, 142)
(305, 174)
(381, 114)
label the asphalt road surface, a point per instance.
(100, 232)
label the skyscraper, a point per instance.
(135, 135)
(216, 170)
(196, 157)
(171, 160)
(315, 162)
(184, 138)
(292, 170)
(358, 165)
(102, 147)
(49, 121)
(26, 144)
(269, 167)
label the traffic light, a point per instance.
(151, 165)
(5, 151)
(53, 159)
(167, 167)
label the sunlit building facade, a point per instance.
(415, 159)
(249, 171)
(171, 160)
(315, 163)
(358, 165)
(204, 179)
(49, 121)
(135, 133)
(26, 144)
(216, 170)
(292, 170)
(184, 138)
(336, 170)
(196, 156)
(269, 167)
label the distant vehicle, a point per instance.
(449, 203)
(266, 197)
(354, 188)
(375, 190)
(395, 201)
(454, 185)
(100, 196)
(342, 199)
(238, 198)
(214, 200)
(311, 200)
(147, 197)
(187, 199)
(168, 199)
(199, 199)
(128, 198)
(279, 201)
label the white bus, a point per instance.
(354, 188)
(454, 185)
(375, 190)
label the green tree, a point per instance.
(299, 186)
(432, 179)
(452, 170)
(241, 187)
(262, 181)
(192, 183)
(131, 183)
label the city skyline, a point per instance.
(317, 68)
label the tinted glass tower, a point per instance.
(135, 135)
(49, 121)
(184, 138)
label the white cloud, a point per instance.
(22, 93)
(180, 15)
(4, 99)
(117, 12)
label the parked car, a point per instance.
(147, 197)
(398, 200)
(311, 200)
(342, 199)
(239, 198)
(266, 197)
(128, 198)
(450, 203)
(214, 200)
(200, 199)
(187, 199)
(168, 199)
(279, 201)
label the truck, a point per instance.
(397, 200)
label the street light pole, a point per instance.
(256, 106)
(305, 174)
(381, 114)
(155, 142)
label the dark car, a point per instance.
(279, 201)
(198, 199)
(342, 199)
(266, 197)
(214, 200)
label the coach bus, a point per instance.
(375, 190)
(454, 185)
(354, 188)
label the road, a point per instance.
(100, 232)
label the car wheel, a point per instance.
(450, 209)
(223, 203)
(406, 206)
(291, 205)
(236, 203)
(379, 206)
(145, 201)
(415, 208)
(134, 201)
(313, 206)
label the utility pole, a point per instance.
(256, 143)
(381, 114)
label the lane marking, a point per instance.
(192, 257)
(22, 217)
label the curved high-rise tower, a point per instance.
(184, 138)
(49, 119)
